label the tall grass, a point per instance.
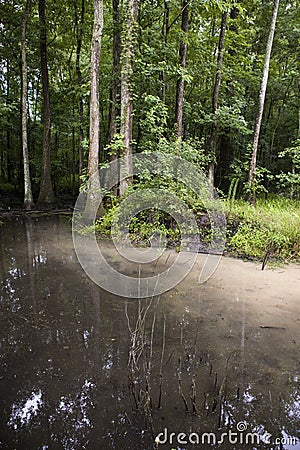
(272, 226)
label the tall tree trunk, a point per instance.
(73, 170)
(46, 196)
(261, 100)
(215, 99)
(114, 93)
(226, 156)
(182, 61)
(28, 200)
(114, 110)
(93, 161)
(165, 34)
(79, 33)
(130, 9)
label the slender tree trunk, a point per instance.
(114, 110)
(79, 32)
(180, 82)
(28, 200)
(261, 100)
(46, 196)
(215, 99)
(226, 156)
(165, 34)
(114, 93)
(73, 170)
(93, 161)
(130, 8)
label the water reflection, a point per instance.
(23, 413)
(83, 369)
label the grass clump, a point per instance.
(273, 226)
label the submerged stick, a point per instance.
(193, 395)
(161, 363)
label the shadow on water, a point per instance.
(81, 368)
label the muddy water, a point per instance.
(81, 368)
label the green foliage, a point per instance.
(191, 150)
(115, 147)
(156, 71)
(229, 118)
(233, 190)
(293, 153)
(273, 225)
(154, 123)
(150, 222)
(258, 186)
(154, 224)
(239, 176)
(103, 225)
(290, 181)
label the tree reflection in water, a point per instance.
(83, 369)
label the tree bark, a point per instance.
(182, 62)
(114, 110)
(130, 8)
(46, 195)
(165, 34)
(225, 142)
(114, 93)
(28, 199)
(93, 160)
(215, 98)
(261, 100)
(79, 33)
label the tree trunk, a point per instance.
(215, 99)
(130, 8)
(73, 170)
(261, 100)
(93, 161)
(28, 200)
(180, 82)
(79, 32)
(46, 196)
(114, 93)
(226, 156)
(114, 110)
(165, 33)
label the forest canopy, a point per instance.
(185, 76)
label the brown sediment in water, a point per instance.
(203, 357)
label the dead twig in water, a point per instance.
(161, 363)
(181, 392)
(193, 395)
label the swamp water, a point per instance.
(83, 369)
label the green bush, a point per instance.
(273, 226)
